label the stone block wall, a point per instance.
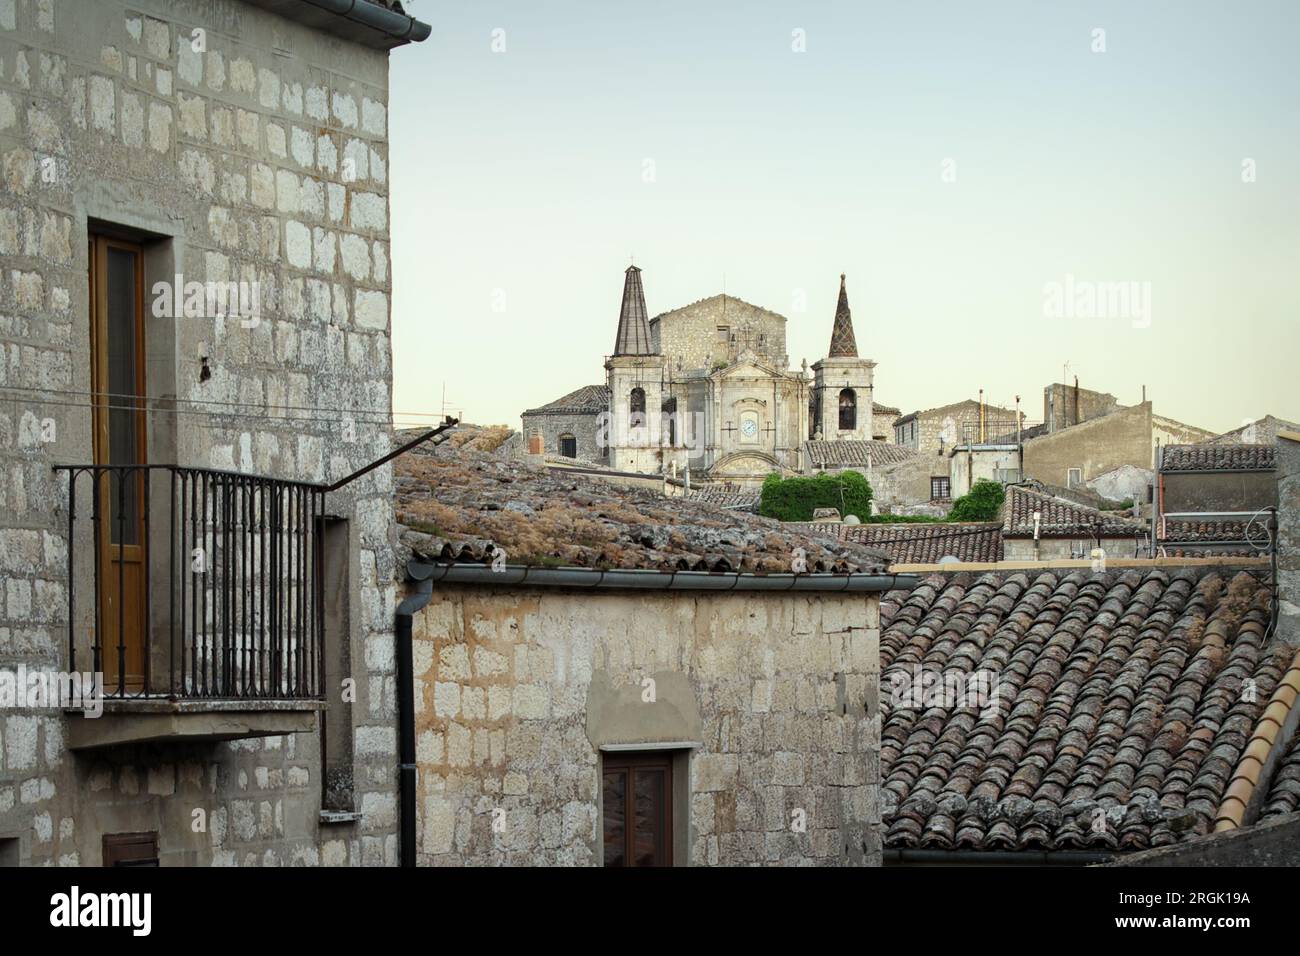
(237, 146)
(1095, 447)
(689, 335)
(517, 692)
(1068, 405)
(550, 426)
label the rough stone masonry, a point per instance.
(242, 146)
(770, 700)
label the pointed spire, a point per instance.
(633, 326)
(843, 344)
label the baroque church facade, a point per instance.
(708, 387)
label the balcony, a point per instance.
(195, 598)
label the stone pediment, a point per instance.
(748, 365)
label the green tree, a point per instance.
(982, 503)
(794, 499)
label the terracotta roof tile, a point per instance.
(1217, 457)
(1284, 793)
(1111, 717)
(589, 398)
(926, 543)
(465, 503)
(1059, 517)
(822, 453)
(726, 498)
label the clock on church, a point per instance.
(749, 427)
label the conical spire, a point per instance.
(633, 326)
(843, 344)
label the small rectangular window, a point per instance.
(940, 489)
(1074, 478)
(724, 333)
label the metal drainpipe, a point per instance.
(406, 771)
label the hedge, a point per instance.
(794, 499)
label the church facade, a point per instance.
(708, 387)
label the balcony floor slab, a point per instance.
(163, 720)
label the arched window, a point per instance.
(636, 405)
(848, 410)
(568, 446)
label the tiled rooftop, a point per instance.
(727, 498)
(1213, 537)
(589, 398)
(1059, 517)
(1118, 716)
(1284, 793)
(848, 453)
(1217, 457)
(462, 503)
(925, 543)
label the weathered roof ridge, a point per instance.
(585, 399)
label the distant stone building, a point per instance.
(1068, 405)
(569, 426)
(936, 431)
(708, 387)
(1262, 431)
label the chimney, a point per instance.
(1288, 536)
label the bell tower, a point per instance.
(634, 374)
(842, 388)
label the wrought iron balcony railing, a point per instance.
(191, 583)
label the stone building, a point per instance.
(569, 426)
(195, 241)
(708, 386)
(1066, 405)
(936, 431)
(656, 675)
(1262, 431)
(1212, 498)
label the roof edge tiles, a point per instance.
(1263, 742)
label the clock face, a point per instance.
(749, 428)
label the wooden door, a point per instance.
(118, 386)
(637, 806)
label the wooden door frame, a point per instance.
(102, 400)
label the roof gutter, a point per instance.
(396, 25)
(649, 580)
(924, 857)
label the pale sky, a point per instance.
(953, 158)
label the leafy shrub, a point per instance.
(981, 503)
(794, 499)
